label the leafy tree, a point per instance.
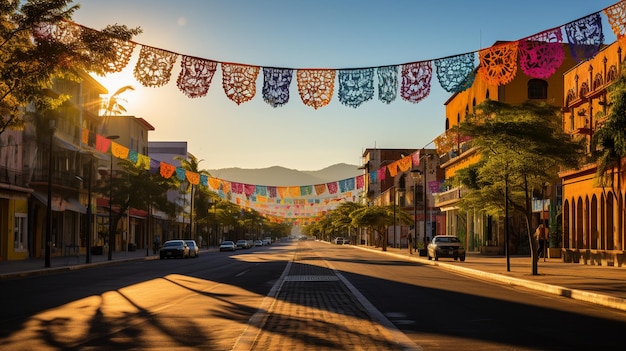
(322, 229)
(35, 49)
(378, 219)
(137, 188)
(522, 147)
(229, 214)
(340, 217)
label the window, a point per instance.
(19, 239)
(537, 89)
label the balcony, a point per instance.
(12, 177)
(449, 197)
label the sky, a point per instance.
(335, 34)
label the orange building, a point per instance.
(593, 225)
(480, 232)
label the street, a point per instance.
(207, 303)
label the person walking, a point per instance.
(541, 239)
(409, 240)
(156, 244)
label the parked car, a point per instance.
(266, 242)
(228, 246)
(258, 243)
(339, 240)
(242, 244)
(174, 249)
(446, 246)
(194, 250)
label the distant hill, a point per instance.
(281, 176)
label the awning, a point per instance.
(64, 144)
(60, 204)
(102, 202)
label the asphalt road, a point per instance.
(440, 310)
(207, 303)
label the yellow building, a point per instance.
(483, 233)
(593, 227)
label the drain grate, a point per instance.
(311, 278)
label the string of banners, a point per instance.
(539, 56)
(284, 201)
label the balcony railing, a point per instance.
(12, 177)
(449, 197)
(62, 179)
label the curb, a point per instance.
(46, 271)
(575, 294)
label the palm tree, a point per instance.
(112, 106)
(191, 165)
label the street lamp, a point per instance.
(424, 175)
(394, 216)
(415, 174)
(111, 231)
(89, 212)
(191, 216)
(48, 252)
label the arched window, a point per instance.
(537, 89)
(584, 90)
(612, 74)
(597, 81)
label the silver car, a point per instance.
(194, 250)
(446, 246)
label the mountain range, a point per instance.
(281, 176)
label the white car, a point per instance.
(339, 240)
(228, 246)
(194, 250)
(446, 246)
(242, 244)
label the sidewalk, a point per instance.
(596, 284)
(36, 266)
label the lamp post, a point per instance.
(424, 176)
(191, 216)
(394, 216)
(89, 211)
(48, 251)
(415, 174)
(111, 231)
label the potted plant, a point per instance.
(421, 249)
(554, 244)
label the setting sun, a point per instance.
(116, 81)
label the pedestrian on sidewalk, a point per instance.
(541, 239)
(410, 241)
(156, 244)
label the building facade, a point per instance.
(480, 232)
(409, 190)
(592, 214)
(57, 165)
